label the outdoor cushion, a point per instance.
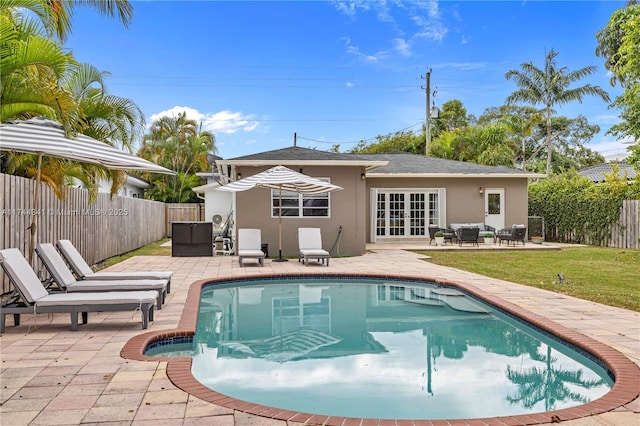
(36, 299)
(63, 277)
(82, 270)
(250, 245)
(310, 246)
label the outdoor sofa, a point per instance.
(483, 229)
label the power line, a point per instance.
(358, 141)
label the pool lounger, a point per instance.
(34, 298)
(82, 270)
(57, 268)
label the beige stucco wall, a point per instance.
(348, 209)
(463, 200)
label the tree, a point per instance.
(179, 144)
(403, 141)
(550, 86)
(452, 116)
(38, 78)
(618, 44)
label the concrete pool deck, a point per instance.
(53, 376)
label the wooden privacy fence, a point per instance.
(183, 212)
(626, 233)
(623, 234)
(105, 228)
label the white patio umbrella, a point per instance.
(281, 178)
(46, 137)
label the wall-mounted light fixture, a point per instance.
(363, 176)
(481, 190)
(239, 176)
(301, 170)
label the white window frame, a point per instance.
(291, 195)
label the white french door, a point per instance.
(405, 214)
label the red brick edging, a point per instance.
(626, 387)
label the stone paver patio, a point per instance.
(53, 376)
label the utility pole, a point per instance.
(427, 123)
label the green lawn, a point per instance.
(603, 275)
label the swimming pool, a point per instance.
(221, 397)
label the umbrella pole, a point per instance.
(36, 198)
(280, 258)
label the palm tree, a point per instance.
(550, 87)
(55, 15)
(38, 78)
(180, 144)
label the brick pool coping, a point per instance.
(626, 387)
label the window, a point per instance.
(300, 205)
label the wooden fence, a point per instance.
(626, 233)
(183, 212)
(102, 229)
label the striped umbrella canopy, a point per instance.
(281, 178)
(45, 137)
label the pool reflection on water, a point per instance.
(382, 349)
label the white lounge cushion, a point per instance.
(314, 252)
(103, 298)
(251, 253)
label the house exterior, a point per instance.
(385, 197)
(599, 172)
(133, 187)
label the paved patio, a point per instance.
(53, 376)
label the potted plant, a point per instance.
(439, 238)
(488, 238)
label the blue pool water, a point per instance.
(379, 349)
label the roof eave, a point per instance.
(368, 165)
(457, 175)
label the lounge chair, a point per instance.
(33, 298)
(60, 273)
(249, 245)
(310, 246)
(82, 270)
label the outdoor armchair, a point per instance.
(310, 246)
(33, 298)
(468, 235)
(62, 276)
(82, 270)
(250, 245)
(515, 233)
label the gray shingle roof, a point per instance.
(597, 173)
(403, 162)
(398, 162)
(294, 153)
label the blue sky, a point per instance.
(333, 72)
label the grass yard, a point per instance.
(153, 249)
(604, 275)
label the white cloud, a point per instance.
(225, 121)
(425, 17)
(401, 46)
